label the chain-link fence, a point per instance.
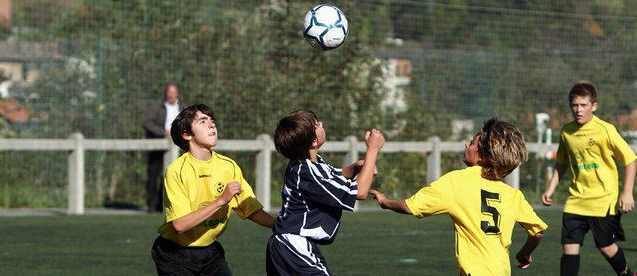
(411, 68)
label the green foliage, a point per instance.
(28, 181)
(5, 31)
(34, 18)
(229, 58)
(104, 64)
(5, 130)
(249, 62)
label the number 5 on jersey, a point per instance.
(490, 228)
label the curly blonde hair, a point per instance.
(501, 148)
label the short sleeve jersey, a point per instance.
(484, 213)
(591, 151)
(191, 184)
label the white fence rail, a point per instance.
(76, 145)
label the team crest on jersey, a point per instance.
(219, 187)
(591, 142)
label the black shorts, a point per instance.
(294, 255)
(173, 259)
(606, 230)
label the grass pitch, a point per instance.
(369, 243)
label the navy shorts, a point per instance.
(294, 255)
(173, 259)
(606, 230)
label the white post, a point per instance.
(351, 156)
(549, 167)
(264, 171)
(76, 176)
(513, 179)
(433, 160)
(352, 152)
(171, 154)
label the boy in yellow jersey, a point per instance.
(482, 207)
(200, 189)
(590, 147)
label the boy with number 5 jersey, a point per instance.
(484, 210)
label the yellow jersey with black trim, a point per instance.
(484, 213)
(591, 151)
(191, 184)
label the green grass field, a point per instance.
(369, 243)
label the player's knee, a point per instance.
(609, 251)
(571, 249)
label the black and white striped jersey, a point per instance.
(314, 196)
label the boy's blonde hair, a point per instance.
(502, 149)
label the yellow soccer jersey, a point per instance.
(191, 184)
(591, 151)
(483, 213)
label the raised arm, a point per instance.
(626, 201)
(374, 140)
(194, 218)
(558, 171)
(398, 206)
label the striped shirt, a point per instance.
(314, 196)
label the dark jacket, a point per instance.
(156, 119)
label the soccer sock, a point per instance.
(569, 265)
(618, 262)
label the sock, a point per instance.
(569, 265)
(618, 262)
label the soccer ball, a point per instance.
(325, 27)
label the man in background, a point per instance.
(157, 125)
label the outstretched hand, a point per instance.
(378, 196)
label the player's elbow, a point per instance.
(362, 192)
(537, 237)
(403, 208)
(179, 227)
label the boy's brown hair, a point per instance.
(502, 149)
(583, 89)
(295, 134)
(183, 123)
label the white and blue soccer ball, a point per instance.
(325, 27)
